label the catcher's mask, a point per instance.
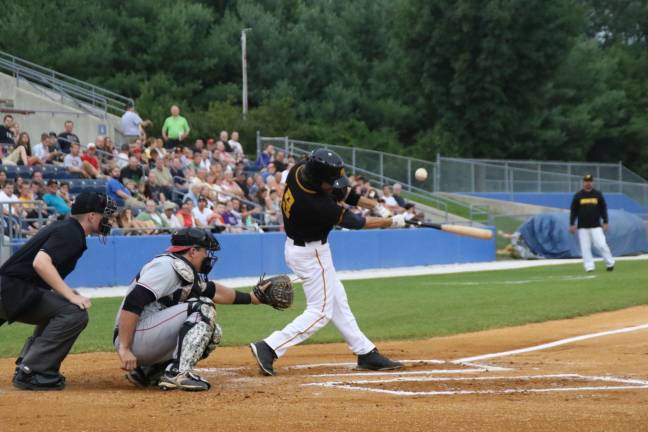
(326, 166)
(187, 238)
(88, 202)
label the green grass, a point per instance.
(417, 307)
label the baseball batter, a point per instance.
(167, 321)
(315, 200)
(589, 207)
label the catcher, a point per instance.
(167, 321)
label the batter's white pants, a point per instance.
(595, 236)
(326, 300)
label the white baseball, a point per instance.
(421, 174)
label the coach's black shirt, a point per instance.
(308, 215)
(63, 241)
(589, 208)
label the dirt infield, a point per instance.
(600, 383)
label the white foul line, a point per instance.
(631, 384)
(552, 344)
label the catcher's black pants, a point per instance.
(58, 325)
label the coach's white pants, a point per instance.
(594, 236)
(326, 301)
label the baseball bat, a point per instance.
(479, 233)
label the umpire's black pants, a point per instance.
(58, 325)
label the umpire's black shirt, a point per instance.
(63, 241)
(589, 208)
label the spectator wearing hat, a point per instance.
(53, 199)
(589, 207)
(168, 215)
(90, 156)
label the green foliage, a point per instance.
(541, 79)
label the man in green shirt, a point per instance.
(175, 129)
(150, 214)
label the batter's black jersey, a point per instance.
(308, 215)
(589, 208)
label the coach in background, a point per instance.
(589, 207)
(32, 291)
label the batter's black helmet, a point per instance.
(323, 165)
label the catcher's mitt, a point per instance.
(275, 291)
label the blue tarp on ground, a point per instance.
(548, 235)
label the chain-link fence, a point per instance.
(475, 175)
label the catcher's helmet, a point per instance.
(187, 238)
(323, 165)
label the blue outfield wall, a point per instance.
(562, 200)
(118, 261)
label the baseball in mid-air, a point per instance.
(421, 174)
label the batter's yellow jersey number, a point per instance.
(287, 202)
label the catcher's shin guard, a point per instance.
(197, 335)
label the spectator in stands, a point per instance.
(132, 125)
(202, 214)
(3, 178)
(398, 188)
(272, 208)
(119, 192)
(162, 177)
(229, 186)
(41, 150)
(185, 214)
(67, 137)
(280, 162)
(197, 163)
(38, 185)
(17, 157)
(132, 226)
(199, 145)
(168, 217)
(222, 156)
(7, 195)
(242, 183)
(53, 199)
(390, 202)
(235, 145)
(178, 173)
(270, 171)
(123, 156)
(7, 135)
(265, 157)
(74, 164)
(90, 156)
(150, 214)
(64, 192)
(223, 137)
(25, 142)
(134, 170)
(54, 148)
(175, 129)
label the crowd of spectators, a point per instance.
(158, 183)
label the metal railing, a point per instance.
(89, 97)
(475, 175)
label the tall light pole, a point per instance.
(244, 69)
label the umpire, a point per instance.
(32, 291)
(589, 207)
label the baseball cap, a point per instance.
(51, 182)
(588, 177)
(210, 141)
(169, 205)
(87, 202)
(91, 145)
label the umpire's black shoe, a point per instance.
(611, 268)
(25, 379)
(264, 356)
(373, 360)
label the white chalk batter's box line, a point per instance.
(623, 384)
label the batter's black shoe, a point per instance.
(611, 268)
(264, 356)
(373, 360)
(26, 379)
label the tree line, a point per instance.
(529, 79)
